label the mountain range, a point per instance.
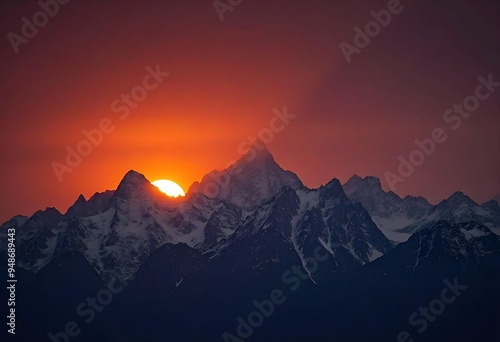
(400, 217)
(351, 254)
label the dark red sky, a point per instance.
(226, 78)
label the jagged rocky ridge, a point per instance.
(398, 217)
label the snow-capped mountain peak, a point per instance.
(132, 182)
(252, 180)
(457, 199)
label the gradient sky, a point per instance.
(225, 79)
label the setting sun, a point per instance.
(168, 187)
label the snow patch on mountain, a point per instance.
(399, 218)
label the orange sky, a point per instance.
(225, 80)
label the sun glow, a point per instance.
(168, 187)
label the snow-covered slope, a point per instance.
(400, 217)
(305, 224)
